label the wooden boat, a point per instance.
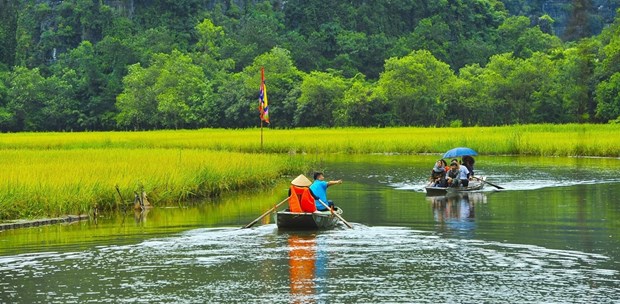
(474, 185)
(307, 220)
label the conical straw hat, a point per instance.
(301, 181)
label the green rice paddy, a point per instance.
(53, 174)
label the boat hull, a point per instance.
(306, 221)
(473, 186)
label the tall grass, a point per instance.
(545, 140)
(38, 183)
(47, 174)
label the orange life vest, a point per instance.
(301, 200)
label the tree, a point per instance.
(81, 69)
(6, 116)
(257, 31)
(499, 93)
(469, 101)
(608, 98)
(240, 96)
(545, 22)
(579, 22)
(416, 85)
(36, 103)
(8, 32)
(169, 93)
(545, 100)
(518, 37)
(210, 37)
(361, 106)
(431, 34)
(610, 51)
(577, 79)
(321, 95)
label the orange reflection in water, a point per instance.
(302, 258)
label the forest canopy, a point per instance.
(166, 64)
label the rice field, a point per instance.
(52, 174)
(38, 183)
(543, 140)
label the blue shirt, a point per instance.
(319, 189)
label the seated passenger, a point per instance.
(438, 175)
(453, 175)
(463, 176)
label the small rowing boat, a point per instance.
(474, 185)
(307, 220)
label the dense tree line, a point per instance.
(129, 64)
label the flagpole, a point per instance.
(262, 83)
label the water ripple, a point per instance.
(366, 264)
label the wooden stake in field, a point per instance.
(263, 105)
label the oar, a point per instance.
(336, 214)
(494, 185)
(265, 214)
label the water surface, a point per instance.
(551, 236)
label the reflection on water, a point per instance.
(308, 266)
(456, 211)
(303, 268)
(525, 244)
(139, 215)
(361, 265)
(302, 257)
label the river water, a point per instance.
(552, 235)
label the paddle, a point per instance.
(494, 185)
(265, 214)
(336, 214)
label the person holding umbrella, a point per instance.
(468, 161)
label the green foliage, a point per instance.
(576, 72)
(362, 106)
(416, 85)
(519, 37)
(238, 98)
(104, 65)
(8, 32)
(456, 123)
(610, 52)
(321, 96)
(210, 37)
(36, 103)
(608, 97)
(168, 94)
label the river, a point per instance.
(552, 235)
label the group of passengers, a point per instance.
(457, 174)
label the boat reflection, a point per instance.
(307, 267)
(456, 211)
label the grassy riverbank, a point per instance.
(41, 183)
(51, 174)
